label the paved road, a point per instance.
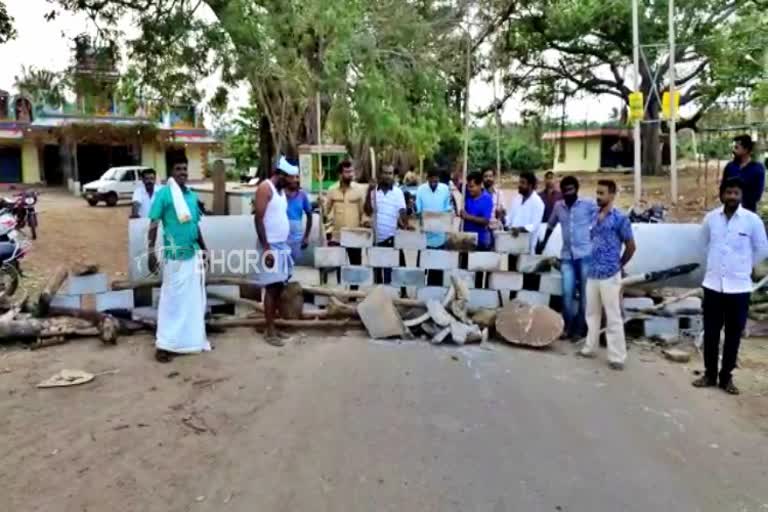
(340, 424)
(377, 426)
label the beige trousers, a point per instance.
(605, 294)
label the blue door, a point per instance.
(10, 164)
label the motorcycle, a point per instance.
(12, 250)
(24, 208)
(652, 215)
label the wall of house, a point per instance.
(30, 162)
(194, 154)
(575, 157)
(153, 155)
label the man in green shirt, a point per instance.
(181, 312)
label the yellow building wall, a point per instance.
(30, 163)
(575, 158)
(153, 155)
(194, 154)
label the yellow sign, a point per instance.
(666, 107)
(636, 107)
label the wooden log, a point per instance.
(348, 294)
(83, 269)
(154, 282)
(279, 322)
(54, 284)
(109, 326)
(256, 305)
(21, 329)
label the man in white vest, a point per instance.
(275, 264)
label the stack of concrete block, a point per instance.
(678, 320)
(77, 288)
(494, 277)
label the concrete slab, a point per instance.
(379, 315)
(484, 299)
(510, 281)
(330, 257)
(437, 222)
(410, 240)
(306, 276)
(439, 260)
(356, 275)
(504, 242)
(66, 301)
(86, 285)
(691, 326)
(428, 293)
(411, 257)
(551, 284)
(532, 298)
(529, 263)
(689, 306)
(661, 327)
(483, 261)
(356, 237)
(122, 299)
(383, 257)
(464, 276)
(408, 277)
(631, 304)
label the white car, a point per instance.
(115, 184)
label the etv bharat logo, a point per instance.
(221, 262)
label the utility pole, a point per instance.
(672, 122)
(460, 208)
(636, 128)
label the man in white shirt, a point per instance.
(736, 241)
(526, 210)
(144, 195)
(389, 215)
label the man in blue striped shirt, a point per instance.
(611, 231)
(575, 216)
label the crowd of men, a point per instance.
(597, 238)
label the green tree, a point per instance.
(287, 52)
(7, 32)
(42, 85)
(586, 45)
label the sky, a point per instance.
(48, 45)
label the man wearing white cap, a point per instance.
(275, 264)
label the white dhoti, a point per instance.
(181, 313)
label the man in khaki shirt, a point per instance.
(344, 205)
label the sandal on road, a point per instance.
(730, 388)
(704, 382)
(274, 340)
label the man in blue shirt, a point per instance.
(751, 172)
(478, 210)
(575, 216)
(298, 206)
(609, 232)
(434, 196)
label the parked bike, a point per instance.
(12, 250)
(23, 206)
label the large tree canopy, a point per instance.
(380, 66)
(549, 46)
(7, 32)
